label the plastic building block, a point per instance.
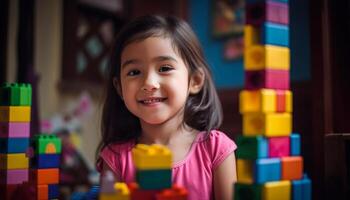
(267, 169)
(53, 191)
(43, 161)
(295, 144)
(245, 171)
(258, 57)
(252, 147)
(14, 129)
(15, 94)
(42, 192)
(251, 36)
(268, 34)
(137, 193)
(44, 176)
(151, 157)
(14, 145)
(92, 193)
(268, 11)
(301, 189)
(268, 78)
(247, 191)
(269, 125)
(283, 101)
(15, 113)
(14, 161)
(13, 176)
(279, 146)
(175, 193)
(280, 190)
(292, 168)
(154, 179)
(47, 144)
(263, 100)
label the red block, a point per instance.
(266, 78)
(45, 176)
(280, 101)
(175, 193)
(259, 13)
(138, 194)
(279, 147)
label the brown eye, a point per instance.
(165, 68)
(133, 73)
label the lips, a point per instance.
(152, 100)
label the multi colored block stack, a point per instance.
(269, 164)
(15, 106)
(153, 175)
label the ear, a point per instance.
(117, 87)
(196, 81)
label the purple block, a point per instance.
(259, 13)
(267, 78)
(13, 176)
(14, 129)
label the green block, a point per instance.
(154, 179)
(252, 147)
(46, 144)
(15, 94)
(247, 191)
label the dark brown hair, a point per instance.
(202, 110)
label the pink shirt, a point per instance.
(195, 172)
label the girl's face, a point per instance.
(155, 80)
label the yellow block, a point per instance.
(258, 57)
(251, 36)
(152, 157)
(279, 190)
(14, 161)
(121, 193)
(245, 171)
(14, 113)
(267, 124)
(289, 101)
(263, 100)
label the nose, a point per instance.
(150, 83)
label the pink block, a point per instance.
(14, 130)
(13, 176)
(267, 78)
(275, 12)
(279, 147)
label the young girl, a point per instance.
(160, 91)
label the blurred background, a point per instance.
(62, 48)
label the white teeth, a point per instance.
(148, 101)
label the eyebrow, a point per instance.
(157, 59)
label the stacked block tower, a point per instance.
(153, 175)
(269, 164)
(15, 106)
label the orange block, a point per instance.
(292, 168)
(43, 192)
(45, 176)
(175, 193)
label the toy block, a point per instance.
(275, 34)
(14, 130)
(251, 36)
(259, 13)
(301, 189)
(44, 176)
(245, 171)
(151, 157)
(251, 147)
(283, 101)
(43, 161)
(14, 113)
(154, 179)
(14, 145)
(14, 161)
(258, 57)
(42, 192)
(295, 144)
(292, 168)
(15, 94)
(280, 190)
(268, 78)
(7, 191)
(267, 169)
(47, 144)
(247, 191)
(53, 191)
(13, 176)
(136, 193)
(263, 100)
(279, 147)
(175, 193)
(269, 125)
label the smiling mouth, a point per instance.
(152, 100)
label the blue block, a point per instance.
(14, 145)
(53, 191)
(295, 144)
(275, 34)
(43, 161)
(301, 189)
(263, 147)
(267, 169)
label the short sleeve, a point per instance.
(220, 147)
(111, 158)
